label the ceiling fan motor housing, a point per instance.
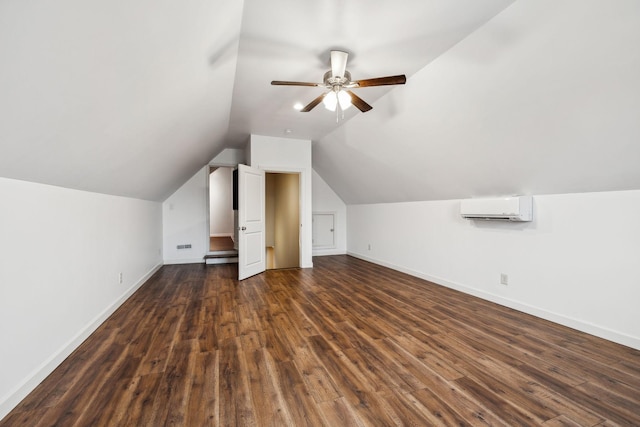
(331, 82)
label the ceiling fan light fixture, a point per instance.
(344, 99)
(330, 101)
(335, 98)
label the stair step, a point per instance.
(221, 257)
(219, 254)
(218, 260)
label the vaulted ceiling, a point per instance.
(543, 99)
(133, 97)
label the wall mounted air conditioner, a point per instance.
(515, 208)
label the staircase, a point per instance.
(221, 257)
(221, 251)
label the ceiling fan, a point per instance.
(338, 81)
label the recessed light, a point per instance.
(297, 106)
(287, 131)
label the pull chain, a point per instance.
(338, 111)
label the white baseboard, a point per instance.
(15, 396)
(570, 322)
(325, 252)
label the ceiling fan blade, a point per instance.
(313, 103)
(382, 81)
(338, 63)
(285, 83)
(359, 102)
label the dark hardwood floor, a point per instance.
(347, 343)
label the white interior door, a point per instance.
(251, 221)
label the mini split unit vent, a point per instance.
(517, 208)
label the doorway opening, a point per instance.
(222, 217)
(282, 220)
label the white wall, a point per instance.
(185, 213)
(576, 264)
(184, 221)
(229, 157)
(221, 202)
(326, 200)
(288, 155)
(62, 251)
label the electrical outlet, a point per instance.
(504, 279)
(369, 247)
(119, 277)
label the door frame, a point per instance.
(208, 201)
(301, 199)
(300, 207)
(299, 172)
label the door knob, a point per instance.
(243, 228)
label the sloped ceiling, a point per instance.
(124, 97)
(292, 39)
(132, 97)
(543, 99)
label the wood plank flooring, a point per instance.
(347, 343)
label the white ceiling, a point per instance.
(132, 97)
(124, 97)
(291, 40)
(543, 99)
